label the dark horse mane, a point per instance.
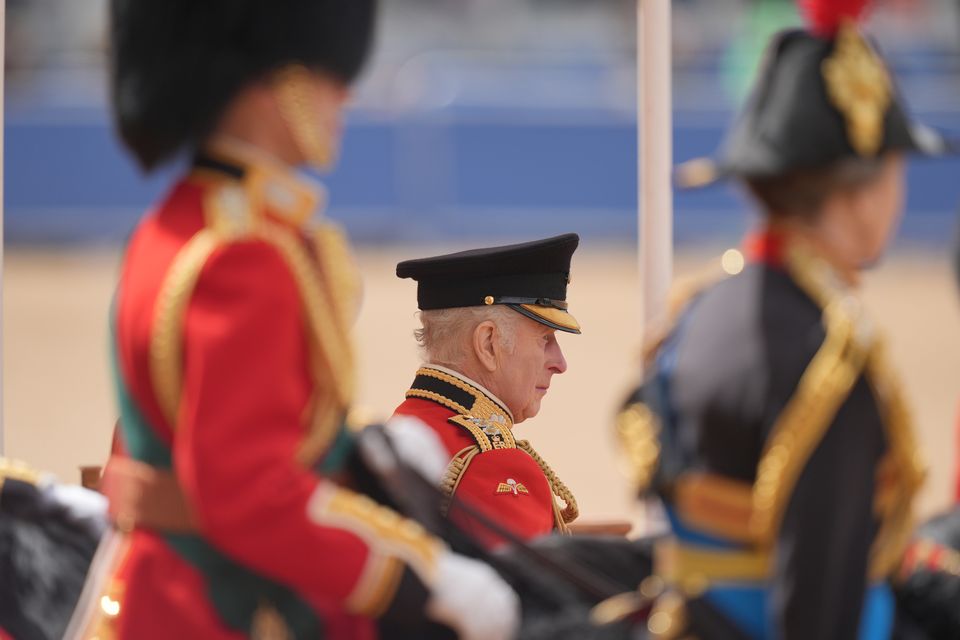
(46, 545)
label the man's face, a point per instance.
(524, 377)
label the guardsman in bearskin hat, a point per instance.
(233, 365)
(770, 422)
(489, 319)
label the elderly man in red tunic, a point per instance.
(490, 319)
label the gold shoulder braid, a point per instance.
(232, 213)
(454, 473)
(903, 468)
(822, 389)
(753, 514)
(638, 430)
(850, 348)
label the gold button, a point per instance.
(488, 300)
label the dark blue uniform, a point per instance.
(783, 455)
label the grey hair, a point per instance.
(443, 335)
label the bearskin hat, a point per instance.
(176, 64)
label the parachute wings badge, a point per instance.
(512, 486)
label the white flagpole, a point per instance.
(3, 29)
(655, 149)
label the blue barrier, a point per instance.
(424, 175)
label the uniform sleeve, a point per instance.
(821, 554)
(246, 390)
(507, 487)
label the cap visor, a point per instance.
(553, 318)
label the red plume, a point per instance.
(826, 16)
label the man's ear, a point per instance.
(486, 345)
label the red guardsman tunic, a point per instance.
(489, 470)
(234, 371)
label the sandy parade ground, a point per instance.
(59, 411)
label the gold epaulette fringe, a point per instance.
(454, 473)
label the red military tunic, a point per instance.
(490, 471)
(230, 344)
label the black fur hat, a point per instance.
(176, 64)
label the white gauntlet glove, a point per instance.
(418, 446)
(472, 599)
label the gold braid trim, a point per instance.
(229, 219)
(390, 538)
(166, 341)
(483, 407)
(333, 368)
(454, 473)
(903, 469)
(339, 269)
(824, 386)
(475, 432)
(439, 399)
(569, 512)
(639, 430)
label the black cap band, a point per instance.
(444, 294)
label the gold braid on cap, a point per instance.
(859, 86)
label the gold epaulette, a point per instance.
(236, 211)
(489, 433)
(637, 427)
(454, 473)
(638, 430)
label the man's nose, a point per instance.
(556, 363)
